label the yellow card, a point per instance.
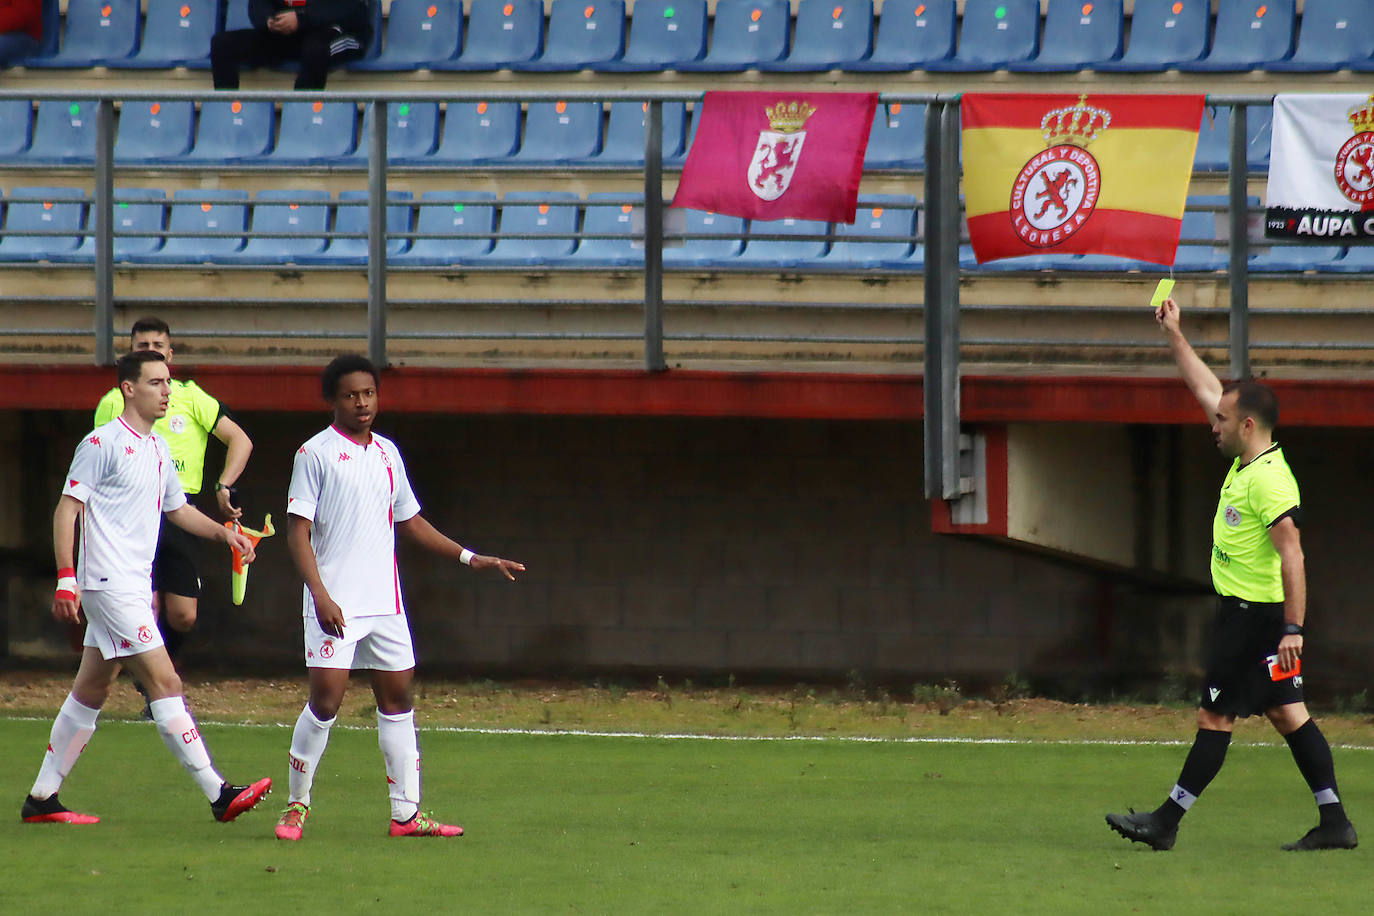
(1162, 291)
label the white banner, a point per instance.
(1321, 168)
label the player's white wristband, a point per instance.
(66, 588)
(466, 557)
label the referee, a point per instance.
(192, 417)
(1256, 640)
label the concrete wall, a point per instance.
(704, 547)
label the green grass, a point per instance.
(618, 825)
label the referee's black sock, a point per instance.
(1202, 765)
(1313, 756)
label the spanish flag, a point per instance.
(1086, 174)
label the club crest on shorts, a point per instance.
(327, 650)
(1057, 190)
(145, 634)
(1355, 159)
(779, 150)
(1232, 516)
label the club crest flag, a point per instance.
(1321, 168)
(773, 155)
(1085, 174)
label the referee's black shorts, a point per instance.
(1241, 647)
(174, 564)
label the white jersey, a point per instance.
(353, 495)
(124, 481)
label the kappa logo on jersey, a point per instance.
(1355, 159)
(95, 440)
(1057, 190)
(1232, 516)
(125, 644)
(128, 449)
(145, 635)
(779, 150)
(344, 456)
(327, 650)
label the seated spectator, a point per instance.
(21, 29)
(316, 33)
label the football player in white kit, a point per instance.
(121, 483)
(349, 495)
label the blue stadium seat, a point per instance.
(1248, 35)
(1163, 36)
(52, 30)
(63, 132)
(779, 252)
(830, 34)
(98, 31)
(609, 213)
(1294, 258)
(1335, 35)
(878, 215)
(45, 210)
(663, 33)
(1078, 36)
(557, 219)
(315, 132)
(351, 216)
(1213, 144)
(443, 214)
(581, 34)
(419, 33)
(1204, 226)
(911, 34)
(560, 132)
(201, 210)
(153, 131)
(301, 212)
(693, 122)
(744, 34)
(16, 117)
(625, 133)
(412, 132)
(230, 131)
(176, 33)
(479, 132)
(500, 33)
(1358, 259)
(1029, 262)
(898, 137)
(236, 15)
(135, 210)
(706, 252)
(994, 33)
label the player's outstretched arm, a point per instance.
(419, 530)
(188, 518)
(67, 598)
(1201, 381)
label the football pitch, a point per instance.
(589, 824)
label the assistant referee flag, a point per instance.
(1085, 174)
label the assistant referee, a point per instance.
(1256, 639)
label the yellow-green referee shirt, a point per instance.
(1253, 498)
(191, 416)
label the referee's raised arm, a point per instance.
(1201, 381)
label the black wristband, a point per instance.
(1292, 629)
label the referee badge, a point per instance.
(177, 424)
(1232, 515)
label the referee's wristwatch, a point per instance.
(1292, 629)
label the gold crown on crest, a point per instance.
(1361, 117)
(1077, 125)
(789, 117)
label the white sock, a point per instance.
(73, 727)
(308, 742)
(396, 735)
(182, 737)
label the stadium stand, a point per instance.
(315, 133)
(581, 35)
(1294, 258)
(744, 34)
(499, 33)
(1335, 35)
(1213, 144)
(236, 15)
(706, 251)
(555, 221)
(558, 132)
(992, 34)
(1164, 34)
(233, 131)
(624, 144)
(412, 132)
(176, 33)
(444, 214)
(1078, 36)
(829, 35)
(154, 131)
(878, 215)
(1357, 259)
(97, 32)
(911, 34)
(897, 138)
(783, 253)
(303, 214)
(609, 213)
(42, 209)
(63, 133)
(135, 210)
(663, 34)
(201, 210)
(1248, 35)
(17, 117)
(479, 132)
(351, 217)
(419, 34)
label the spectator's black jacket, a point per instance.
(352, 16)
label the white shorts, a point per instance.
(120, 624)
(380, 643)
